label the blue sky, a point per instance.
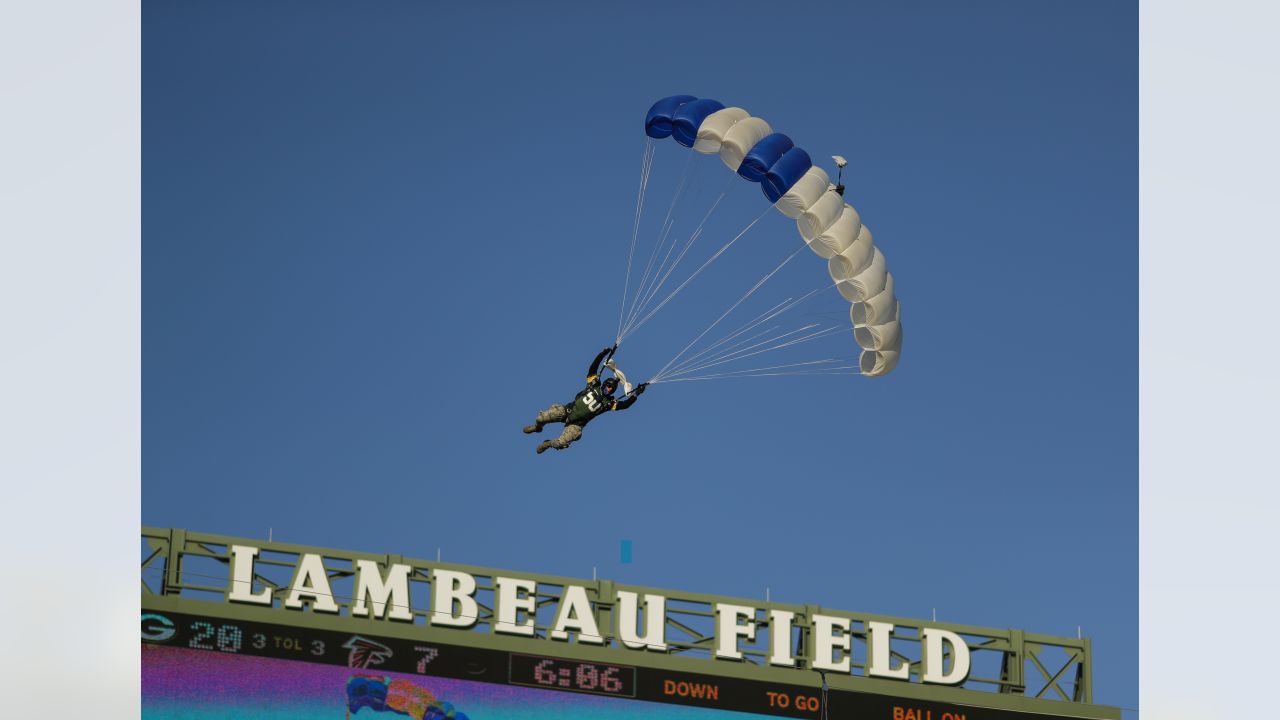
(376, 242)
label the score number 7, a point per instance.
(428, 654)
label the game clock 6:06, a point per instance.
(573, 675)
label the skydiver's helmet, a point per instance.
(610, 384)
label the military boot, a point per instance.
(534, 428)
(542, 447)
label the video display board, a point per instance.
(202, 685)
(205, 667)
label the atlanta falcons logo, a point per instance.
(365, 653)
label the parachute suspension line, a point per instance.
(653, 251)
(754, 322)
(662, 236)
(660, 271)
(833, 373)
(693, 238)
(697, 272)
(825, 370)
(649, 295)
(748, 294)
(689, 361)
(646, 165)
(728, 355)
(735, 351)
(810, 365)
(664, 232)
(770, 314)
(811, 336)
(739, 355)
(764, 317)
(826, 367)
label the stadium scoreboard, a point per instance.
(398, 655)
(595, 662)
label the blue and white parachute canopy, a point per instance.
(802, 191)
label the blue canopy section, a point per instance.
(763, 155)
(784, 173)
(689, 117)
(658, 122)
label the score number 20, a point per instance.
(229, 639)
(587, 677)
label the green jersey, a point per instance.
(592, 400)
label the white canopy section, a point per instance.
(839, 236)
(815, 221)
(853, 259)
(711, 132)
(880, 362)
(740, 138)
(807, 190)
(867, 283)
(875, 363)
(877, 337)
(878, 309)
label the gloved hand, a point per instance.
(640, 388)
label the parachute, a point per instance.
(796, 187)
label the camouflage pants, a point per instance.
(555, 414)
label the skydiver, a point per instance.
(593, 400)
